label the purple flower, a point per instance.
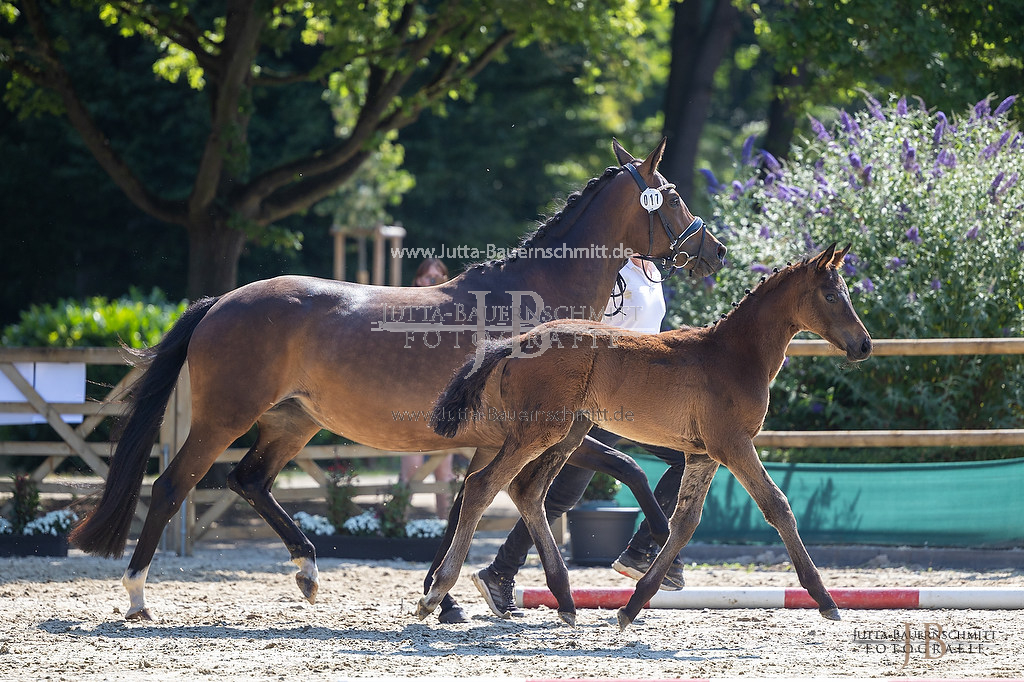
(764, 232)
(817, 408)
(875, 108)
(940, 127)
(770, 161)
(909, 156)
(867, 285)
(981, 109)
(866, 174)
(1020, 245)
(737, 189)
(972, 233)
(912, 235)
(850, 264)
(763, 269)
(714, 187)
(896, 263)
(849, 125)
(819, 129)
(854, 160)
(1005, 105)
(912, 297)
(748, 150)
(946, 158)
(709, 282)
(936, 284)
(995, 183)
(901, 107)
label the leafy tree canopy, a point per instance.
(387, 61)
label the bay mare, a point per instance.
(294, 355)
(701, 391)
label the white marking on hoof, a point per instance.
(135, 583)
(308, 577)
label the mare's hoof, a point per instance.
(307, 586)
(624, 619)
(141, 614)
(422, 610)
(568, 617)
(831, 614)
(453, 616)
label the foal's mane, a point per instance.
(765, 286)
(530, 239)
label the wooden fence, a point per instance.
(188, 527)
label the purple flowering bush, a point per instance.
(934, 208)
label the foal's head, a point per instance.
(825, 307)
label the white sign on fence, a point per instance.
(56, 382)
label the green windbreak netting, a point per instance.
(950, 504)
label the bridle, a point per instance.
(651, 200)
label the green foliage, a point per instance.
(932, 206)
(395, 511)
(340, 491)
(26, 503)
(602, 487)
(138, 320)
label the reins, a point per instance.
(652, 200)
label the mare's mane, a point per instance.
(542, 231)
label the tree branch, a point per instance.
(241, 40)
(303, 195)
(55, 77)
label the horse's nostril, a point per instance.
(865, 347)
(721, 252)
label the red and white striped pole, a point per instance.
(788, 597)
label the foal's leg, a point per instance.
(749, 471)
(283, 432)
(528, 490)
(697, 477)
(478, 492)
(204, 444)
(481, 456)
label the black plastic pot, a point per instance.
(597, 535)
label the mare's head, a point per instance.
(825, 307)
(671, 234)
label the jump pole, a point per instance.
(998, 598)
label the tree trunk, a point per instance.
(697, 50)
(781, 117)
(213, 253)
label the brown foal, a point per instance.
(703, 391)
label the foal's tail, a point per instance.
(105, 531)
(461, 397)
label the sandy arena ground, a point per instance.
(233, 612)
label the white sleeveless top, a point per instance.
(643, 302)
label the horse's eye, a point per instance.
(831, 298)
(674, 202)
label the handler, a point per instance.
(641, 307)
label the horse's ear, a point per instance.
(650, 165)
(621, 154)
(837, 260)
(825, 258)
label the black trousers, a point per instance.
(567, 489)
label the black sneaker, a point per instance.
(633, 563)
(499, 591)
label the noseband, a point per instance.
(669, 262)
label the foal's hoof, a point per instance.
(307, 586)
(624, 619)
(568, 617)
(141, 614)
(831, 614)
(423, 609)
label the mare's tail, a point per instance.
(105, 531)
(461, 396)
